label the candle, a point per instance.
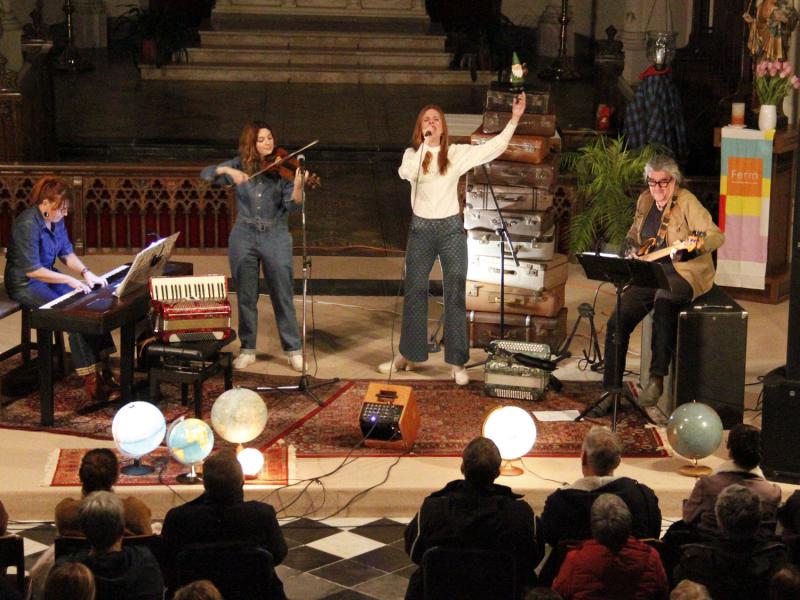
(737, 114)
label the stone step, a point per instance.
(356, 22)
(260, 56)
(319, 40)
(350, 74)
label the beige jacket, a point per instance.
(687, 215)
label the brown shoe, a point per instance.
(97, 390)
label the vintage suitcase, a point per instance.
(532, 224)
(485, 327)
(535, 276)
(504, 377)
(503, 172)
(485, 297)
(536, 101)
(488, 243)
(543, 125)
(522, 148)
(478, 195)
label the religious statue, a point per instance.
(770, 28)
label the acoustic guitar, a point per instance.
(646, 253)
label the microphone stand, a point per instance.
(502, 231)
(304, 384)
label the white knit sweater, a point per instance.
(435, 196)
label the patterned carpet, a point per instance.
(449, 417)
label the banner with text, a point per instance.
(744, 192)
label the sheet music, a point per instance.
(68, 295)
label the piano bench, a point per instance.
(188, 363)
(7, 308)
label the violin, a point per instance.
(285, 165)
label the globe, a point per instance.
(694, 430)
(138, 428)
(512, 429)
(189, 440)
(239, 415)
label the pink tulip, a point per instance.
(761, 68)
(773, 70)
(796, 83)
(787, 69)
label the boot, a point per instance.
(93, 385)
(110, 383)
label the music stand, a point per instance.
(622, 273)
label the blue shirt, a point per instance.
(33, 245)
(265, 197)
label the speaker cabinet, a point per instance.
(780, 422)
(710, 355)
(389, 417)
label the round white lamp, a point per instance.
(252, 462)
(189, 441)
(138, 428)
(513, 431)
(239, 415)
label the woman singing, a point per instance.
(433, 167)
(261, 236)
(37, 239)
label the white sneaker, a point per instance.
(460, 375)
(296, 362)
(244, 360)
(400, 363)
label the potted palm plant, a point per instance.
(609, 180)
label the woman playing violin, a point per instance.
(669, 216)
(260, 236)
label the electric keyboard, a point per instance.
(114, 278)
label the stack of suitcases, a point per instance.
(523, 178)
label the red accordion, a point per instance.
(191, 309)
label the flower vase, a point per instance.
(767, 117)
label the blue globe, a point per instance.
(189, 440)
(138, 428)
(694, 430)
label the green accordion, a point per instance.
(505, 377)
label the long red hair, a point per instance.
(50, 188)
(251, 161)
(418, 136)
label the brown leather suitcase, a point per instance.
(501, 172)
(522, 148)
(536, 101)
(478, 196)
(485, 297)
(484, 327)
(529, 124)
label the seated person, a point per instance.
(737, 564)
(198, 590)
(129, 573)
(613, 564)
(689, 590)
(3, 519)
(99, 471)
(785, 584)
(221, 514)
(475, 512)
(70, 581)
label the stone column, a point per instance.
(89, 23)
(10, 38)
(632, 36)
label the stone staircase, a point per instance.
(318, 49)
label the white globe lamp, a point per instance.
(239, 415)
(513, 431)
(252, 462)
(138, 428)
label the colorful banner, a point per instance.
(744, 191)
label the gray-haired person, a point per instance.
(666, 214)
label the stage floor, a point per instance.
(352, 335)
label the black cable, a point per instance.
(160, 464)
(535, 474)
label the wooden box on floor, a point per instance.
(485, 327)
(389, 417)
(485, 297)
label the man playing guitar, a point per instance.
(672, 227)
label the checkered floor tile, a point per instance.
(340, 558)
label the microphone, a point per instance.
(301, 158)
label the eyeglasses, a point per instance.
(662, 183)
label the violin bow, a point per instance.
(277, 162)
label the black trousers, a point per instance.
(636, 303)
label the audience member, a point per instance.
(566, 514)
(737, 564)
(99, 471)
(689, 590)
(474, 512)
(744, 449)
(198, 590)
(3, 519)
(129, 573)
(785, 584)
(220, 514)
(613, 564)
(70, 581)
(542, 593)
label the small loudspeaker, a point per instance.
(780, 422)
(389, 416)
